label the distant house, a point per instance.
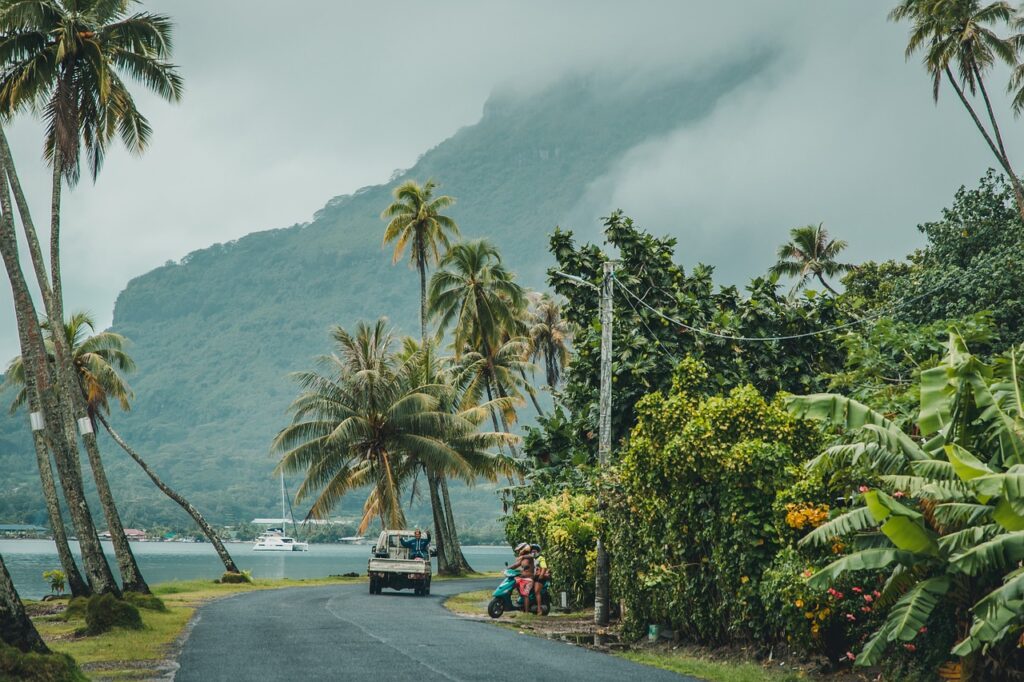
(133, 534)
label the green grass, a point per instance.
(705, 669)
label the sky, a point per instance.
(289, 104)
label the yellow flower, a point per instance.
(744, 579)
(799, 603)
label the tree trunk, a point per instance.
(531, 392)
(76, 584)
(1018, 191)
(825, 284)
(440, 527)
(423, 301)
(16, 629)
(211, 534)
(501, 413)
(131, 576)
(1003, 161)
(458, 558)
(58, 294)
(34, 356)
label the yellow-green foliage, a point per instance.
(565, 526)
(145, 601)
(15, 665)
(691, 523)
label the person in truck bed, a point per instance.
(418, 546)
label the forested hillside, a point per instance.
(216, 334)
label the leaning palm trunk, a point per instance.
(131, 576)
(458, 559)
(34, 355)
(211, 534)
(76, 584)
(16, 629)
(440, 526)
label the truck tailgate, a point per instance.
(399, 566)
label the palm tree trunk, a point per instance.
(459, 559)
(131, 576)
(16, 629)
(97, 571)
(531, 392)
(76, 584)
(825, 284)
(58, 294)
(501, 413)
(211, 534)
(1003, 161)
(439, 526)
(422, 267)
(1018, 191)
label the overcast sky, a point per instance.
(289, 104)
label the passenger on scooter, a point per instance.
(541, 574)
(525, 581)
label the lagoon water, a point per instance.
(164, 561)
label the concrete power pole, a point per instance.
(604, 443)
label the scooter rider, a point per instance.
(525, 581)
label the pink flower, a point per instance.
(808, 573)
(839, 595)
(868, 598)
(877, 594)
(910, 647)
(856, 590)
(924, 629)
(851, 617)
(863, 489)
(866, 609)
(899, 493)
(850, 656)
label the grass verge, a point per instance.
(474, 605)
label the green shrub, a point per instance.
(243, 577)
(105, 611)
(76, 608)
(565, 526)
(16, 665)
(56, 580)
(145, 601)
(691, 521)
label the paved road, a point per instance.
(343, 633)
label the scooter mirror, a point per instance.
(506, 564)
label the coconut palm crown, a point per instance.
(810, 253)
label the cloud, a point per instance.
(289, 104)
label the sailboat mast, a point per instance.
(284, 508)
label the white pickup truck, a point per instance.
(390, 565)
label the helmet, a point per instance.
(521, 546)
(535, 548)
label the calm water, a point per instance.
(163, 561)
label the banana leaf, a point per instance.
(996, 554)
(911, 612)
(868, 559)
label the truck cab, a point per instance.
(390, 566)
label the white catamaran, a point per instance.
(276, 539)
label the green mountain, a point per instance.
(216, 334)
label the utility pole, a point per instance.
(604, 442)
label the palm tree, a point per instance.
(69, 59)
(810, 253)
(959, 34)
(16, 628)
(49, 406)
(549, 337)
(101, 362)
(364, 421)
(496, 376)
(416, 221)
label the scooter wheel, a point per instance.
(496, 608)
(545, 607)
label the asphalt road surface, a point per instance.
(344, 633)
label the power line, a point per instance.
(728, 337)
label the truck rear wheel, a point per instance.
(373, 585)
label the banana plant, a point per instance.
(956, 533)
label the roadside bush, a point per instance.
(565, 526)
(105, 611)
(243, 577)
(692, 522)
(76, 608)
(16, 665)
(145, 601)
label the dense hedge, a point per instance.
(692, 522)
(565, 526)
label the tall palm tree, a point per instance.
(16, 628)
(960, 35)
(416, 222)
(549, 337)
(496, 376)
(69, 59)
(101, 362)
(49, 406)
(810, 253)
(363, 421)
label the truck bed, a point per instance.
(398, 565)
